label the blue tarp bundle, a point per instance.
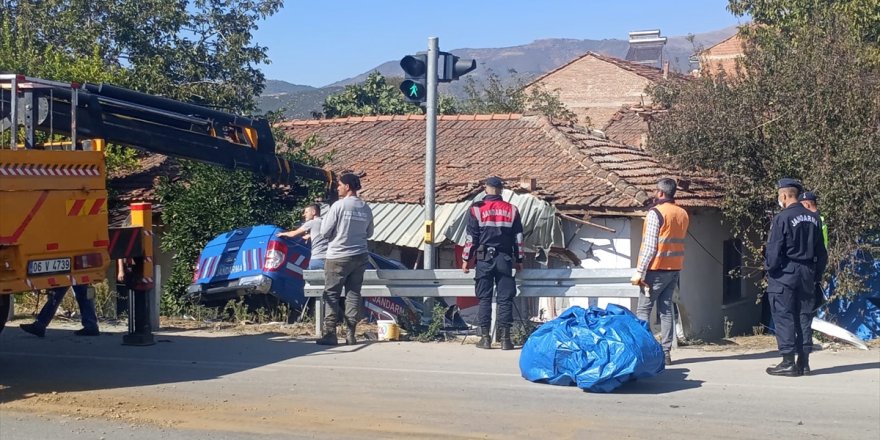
(859, 314)
(596, 349)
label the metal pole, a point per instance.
(431, 144)
(430, 161)
(13, 114)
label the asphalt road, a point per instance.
(221, 385)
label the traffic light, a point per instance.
(452, 67)
(414, 86)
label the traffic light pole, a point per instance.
(431, 149)
(430, 162)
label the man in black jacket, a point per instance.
(495, 239)
(795, 260)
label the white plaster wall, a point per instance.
(597, 249)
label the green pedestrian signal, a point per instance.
(413, 91)
(415, 85)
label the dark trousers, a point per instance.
(496, 275)
(791, 303)
(339, 273)
(87, 313)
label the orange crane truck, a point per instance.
(53, 193)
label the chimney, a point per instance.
(666, 70)
(646, 47)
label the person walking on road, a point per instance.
(311, 231)
(87, 313)
(795, 260)
(660, 260)
(347, 226)
(495, 239)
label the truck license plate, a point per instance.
(49, 266)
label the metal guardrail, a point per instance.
(576, 283)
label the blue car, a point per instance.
(251, 260)
(256, 261)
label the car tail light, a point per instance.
(87, 261)
(196, 271)
(276, 253)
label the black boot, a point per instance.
(350, 337)
(506, 343)
(329, 338)
(803, 364)
(485, 338)
(785, 368)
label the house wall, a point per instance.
(722, 56)
(595, 89)
(598, 249)
(701, 295)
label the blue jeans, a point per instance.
(86, 307)
(316, 264)
(661, 286)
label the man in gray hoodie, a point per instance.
(347, 226)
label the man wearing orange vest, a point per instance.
(661, 260)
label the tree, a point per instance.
(496, 96)
(786, 18)
(377, 96)
(200, 51)
(805, 104)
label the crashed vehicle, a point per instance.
(255, 263)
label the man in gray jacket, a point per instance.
(347, 226)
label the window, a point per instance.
(733, 280)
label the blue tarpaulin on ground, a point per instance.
(859, 314)
(597, 350)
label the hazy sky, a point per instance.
(320, 42)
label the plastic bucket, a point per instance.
(388, 330)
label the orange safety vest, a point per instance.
(670, 243)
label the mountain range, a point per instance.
(526, 61)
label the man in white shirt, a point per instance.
(347, 226)
(311, 231)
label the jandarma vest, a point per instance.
(670, 242)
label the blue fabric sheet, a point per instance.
(597, 350)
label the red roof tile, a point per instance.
(573, 169)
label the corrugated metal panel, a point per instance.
(401, 223)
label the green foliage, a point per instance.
(498, 96)
(378, 95)
(432, 332)
(805, 104)
(788, 17)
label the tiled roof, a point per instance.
(651, 73)
(630, 125)
(573, 170)
(139, 184)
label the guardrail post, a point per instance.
(319, 317)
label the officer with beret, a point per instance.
(811, 201)
(495, 240)
(795, 260)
